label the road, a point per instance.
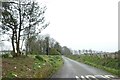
(79, 71)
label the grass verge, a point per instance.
(41, 66)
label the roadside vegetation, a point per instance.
(33, 66)
(32, 55)
(111, 65)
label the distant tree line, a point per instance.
(45, 45)
(90, 51)
(66, 51)
(101, 54)
(42, 45)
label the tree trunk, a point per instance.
(18, 41)
(22, 46)
(27, 45)
(13, 46)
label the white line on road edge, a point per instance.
(77, 77)
(90, 76)
(94, 77)
(80, 77)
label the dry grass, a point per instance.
(27, 67)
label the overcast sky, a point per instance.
(83, 24)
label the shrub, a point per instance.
(54, 52)
(5, 55)
(11, 75)
(39, 58)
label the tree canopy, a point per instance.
(22, 19)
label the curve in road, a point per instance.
(73, 69)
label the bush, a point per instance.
(11, 75)
(54, 52)
(39, 58)
(5, 55)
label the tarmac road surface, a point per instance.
(80, 71)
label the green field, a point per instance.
(42, 66)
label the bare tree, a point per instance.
(20, 19)
(66, 50)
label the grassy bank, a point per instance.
(42, 66)
(109, 64)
